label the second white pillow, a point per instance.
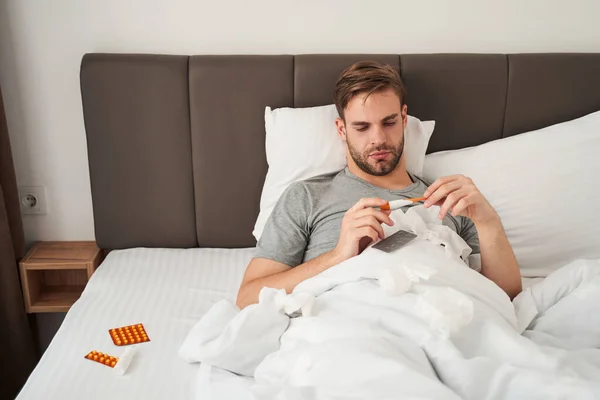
(544, 186)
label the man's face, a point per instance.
(374, 131)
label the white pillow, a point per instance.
(303, 142)
(544, 185)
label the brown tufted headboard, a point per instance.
(174, 141)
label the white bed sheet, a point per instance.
(168, 290)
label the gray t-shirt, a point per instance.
(307, 219)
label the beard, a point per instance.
(381, 167)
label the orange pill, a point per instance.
(112, 358)
(112, 364)
(94, 352)
(101, 359)
(116, 359)
(107, 362)
(138, 340)
(90, 356)
(96, 358)
(125, 341)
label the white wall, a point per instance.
(42, 42)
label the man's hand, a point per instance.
(459, 194)
(361, 225)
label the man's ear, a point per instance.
(404, 115)
(341, 128)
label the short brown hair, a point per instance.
(366, 77)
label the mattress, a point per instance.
(168, 290)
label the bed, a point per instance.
(174, 142)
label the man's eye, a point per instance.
(362, 129)
(390, 123)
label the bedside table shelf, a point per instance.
(56, 299)
(54, 274)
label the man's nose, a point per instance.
(378, 136)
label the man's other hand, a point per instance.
(458, 194)
(361, 226)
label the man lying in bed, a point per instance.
(320, 222)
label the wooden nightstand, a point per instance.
(53, 274)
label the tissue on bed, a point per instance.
(424, 223)
(447, 310)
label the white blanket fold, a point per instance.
(414, 323)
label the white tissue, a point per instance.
(125, 360)
(446, 310)
(399, 280)
(424, 223)
(294, 302)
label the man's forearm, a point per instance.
(287, 279)
(498, 261)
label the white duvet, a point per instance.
(416, 323)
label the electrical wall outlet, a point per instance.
(32, 199)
